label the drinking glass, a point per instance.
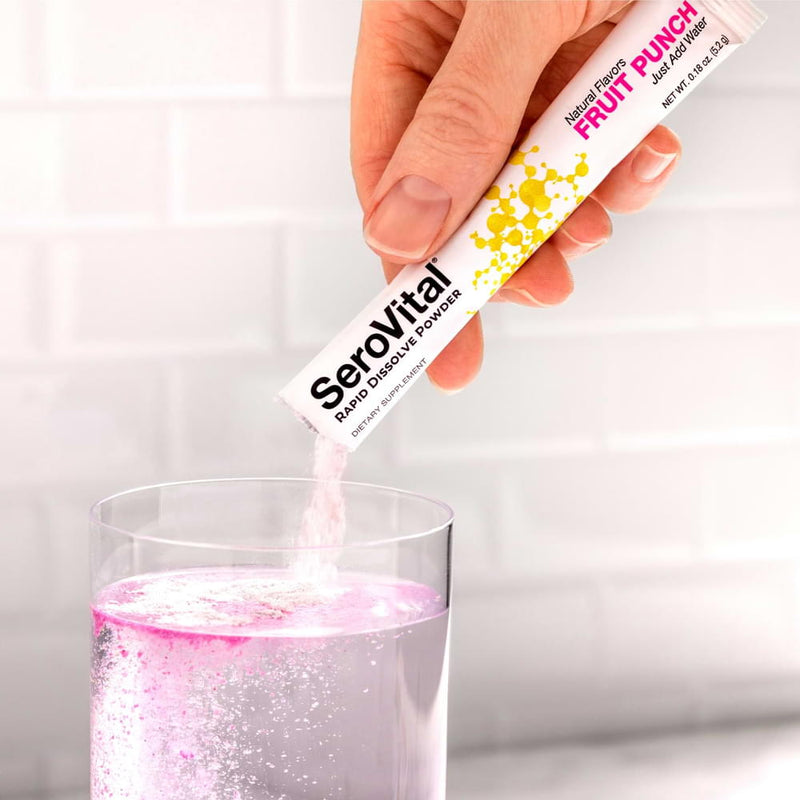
(232, 660)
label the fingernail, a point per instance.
(519, 296)
(648, 164)
(406, 221)
(442, 389)
(581, 247)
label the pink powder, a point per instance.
(323, 522)
(260, 601)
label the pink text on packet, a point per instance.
(662, 41)
(607, 103)
(653, 52)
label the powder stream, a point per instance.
(323, 524)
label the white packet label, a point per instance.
(649, 63)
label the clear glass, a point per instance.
(218, 673)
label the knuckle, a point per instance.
(369, 160)
(458, 118)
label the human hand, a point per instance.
(442, 92)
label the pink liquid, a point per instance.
(245, 683)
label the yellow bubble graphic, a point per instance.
(525, 215)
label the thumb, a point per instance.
(463, 128)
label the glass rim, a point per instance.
(95, 509)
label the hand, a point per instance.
(442, 91)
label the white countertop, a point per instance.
(744, 764)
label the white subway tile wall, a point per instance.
(179, 233)
(260, 160)
(224, 279)
(95, 143)
(32, 167)
(19, 264)
(182, 46)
